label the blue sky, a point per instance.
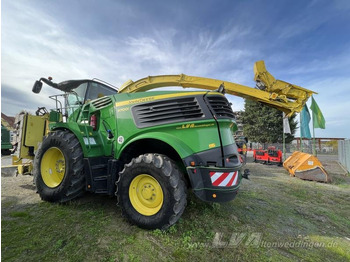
(306, 43)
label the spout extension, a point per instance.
(293, 96)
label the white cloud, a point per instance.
(41, 47)
(35, 44)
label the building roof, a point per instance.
(8, 121)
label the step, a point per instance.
(100, 178)
(100, 166)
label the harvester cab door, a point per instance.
(76, 98)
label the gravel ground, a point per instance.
(16, 191)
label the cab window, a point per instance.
(97, 90)
(77, 97)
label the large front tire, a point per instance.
(151, 192)
(58, 168)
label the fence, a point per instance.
(322, 147)
(344, 153)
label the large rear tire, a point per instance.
(58, 168)
(151, 192)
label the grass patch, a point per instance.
(20, 214)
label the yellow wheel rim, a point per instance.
(53, 167)
(146, 195)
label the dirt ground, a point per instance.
(17, 191)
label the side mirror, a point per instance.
(37, 87)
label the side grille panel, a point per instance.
(102, 102)
(167, 111)
(220, 106)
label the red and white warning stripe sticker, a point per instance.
(224, 179)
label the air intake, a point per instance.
(101, 102)
(167, 111)
(220, 106)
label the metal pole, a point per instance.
(313, 134)
(284, 146)
(301, 139)
(284, 138)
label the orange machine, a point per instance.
(307, 167)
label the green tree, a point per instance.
(263, 124)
